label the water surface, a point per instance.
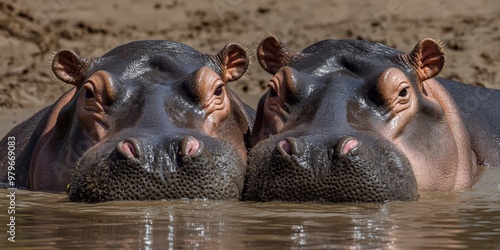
(462, 220)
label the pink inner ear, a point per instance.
(270, 54)
(67, 66)
(236, 62)
(429, 57)
(237, 68)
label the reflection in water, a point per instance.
(467, 219)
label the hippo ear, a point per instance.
(272, 54)
(427, 58)
(69, 66)
(234, 61)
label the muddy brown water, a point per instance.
(462, 220)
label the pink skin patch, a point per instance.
(128, 149)
(287, 148)
(191, 147)
(349, 146)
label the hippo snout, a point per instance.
(158, 167)
(328, 169)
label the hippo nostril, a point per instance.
(287, 146)
(128, 148)
(190, 146)
(348, 145)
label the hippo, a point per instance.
(147, 120)
(358, 121)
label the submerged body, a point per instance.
(147, 120)
(352, 120)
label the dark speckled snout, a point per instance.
(149, 168)
(328, 169)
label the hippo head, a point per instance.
(154, 120)
(351, 120)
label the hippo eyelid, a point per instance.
(90, 101)
(216, 97)
(272, 89)
(403, 90)
(401, 98)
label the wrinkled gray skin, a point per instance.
(356, 121)
(147, 120)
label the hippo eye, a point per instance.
(89, 94)
(218, 91)
(89, 91)
(272, 92)
(403, 92)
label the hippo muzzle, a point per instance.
(148, 168)
(347, 169)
